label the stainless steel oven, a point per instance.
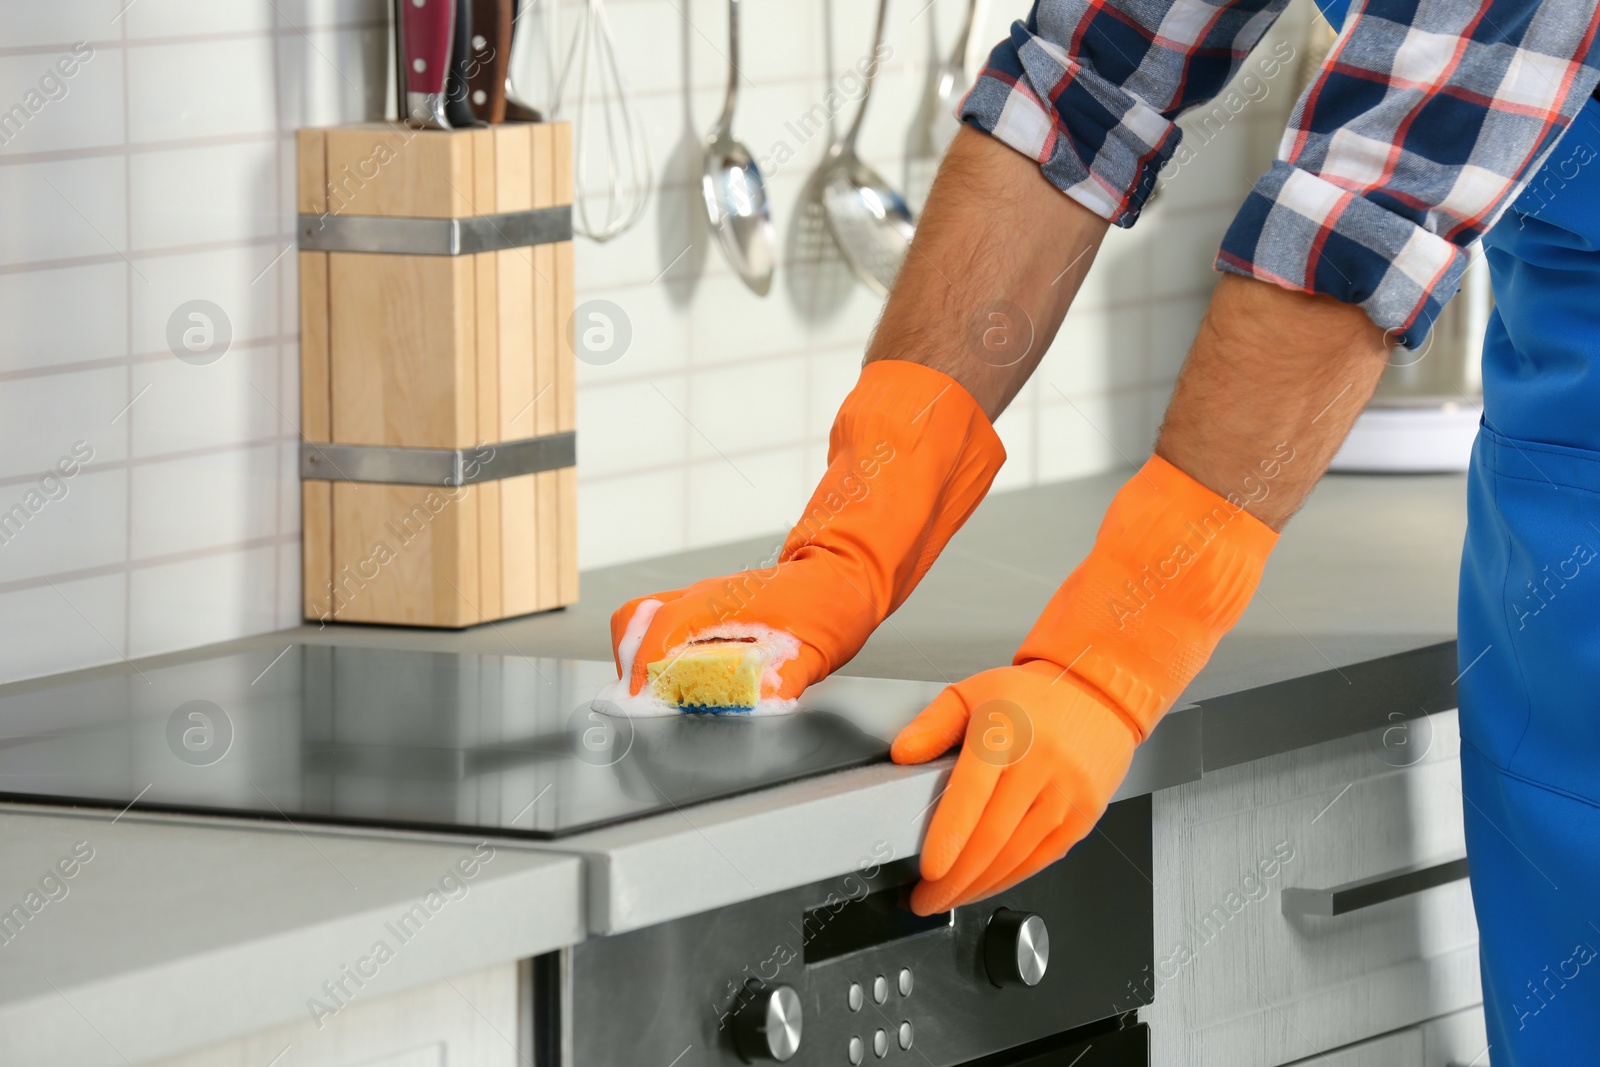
(1048, 974)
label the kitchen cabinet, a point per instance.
(479, 1019)
(179, 935)
(1243, 974)
(1455, 1040)
(1399, 1049)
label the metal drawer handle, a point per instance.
(1353, 896)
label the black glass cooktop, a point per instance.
(424, 740)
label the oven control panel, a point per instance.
(877, 1028)
(841, 973)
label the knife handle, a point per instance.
(491, 58)
(428, 26)
(457, 96)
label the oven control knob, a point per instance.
(768, 1026)
(1016, 948)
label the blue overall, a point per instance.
(1529, 617)
(1529, 620)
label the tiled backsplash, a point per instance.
(148, 164)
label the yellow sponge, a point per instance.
(710, 676)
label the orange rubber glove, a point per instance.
(910, 456)
(1049, 739)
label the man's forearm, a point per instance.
(1273, 381)
(1272, 385)
(998, 256)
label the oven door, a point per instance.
(839, 973)
(1108, 1045)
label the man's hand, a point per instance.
(996, 239)
(1271, 387)
(649, 629)
(1040, 758)
(1049, 739)
(911, 454)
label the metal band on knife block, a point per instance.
(435, 237)
(437, 466)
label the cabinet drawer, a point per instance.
(1458, 1040)
(1404, 1048)
(1455, 1040)
(476, 1019)
(1238, 981)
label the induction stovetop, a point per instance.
(420, 740)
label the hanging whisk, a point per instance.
(603, 97)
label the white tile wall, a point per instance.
(46, 324)
(198, 196)
(64, 624)
(208, 89)
(83, 110)
(156, 177)
(164, 173)
(82, 527)
(762, 377)
(78, 207)
(41, 418)
(208, 598)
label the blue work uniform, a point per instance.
(1528, 621)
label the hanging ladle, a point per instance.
(869, 219)
(734, 190)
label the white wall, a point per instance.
(713, 426)
(164, 175)
(161, 176)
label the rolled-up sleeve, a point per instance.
(1423, 124)
(1090, 89)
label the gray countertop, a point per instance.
(169, 935)
(1355, 618)
(1368, 568)
(1366, 572)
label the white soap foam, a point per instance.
(614, 697)
(779, 645)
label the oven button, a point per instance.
(880, 1044)
(857, 1051)
(1016, 948)
(857, 998)
(905, 1034)
(768, 1026)
(905, 981)
(880, 989)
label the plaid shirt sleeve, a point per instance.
(1091, 88)
(1423, 124)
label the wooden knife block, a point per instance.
(436, 352)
